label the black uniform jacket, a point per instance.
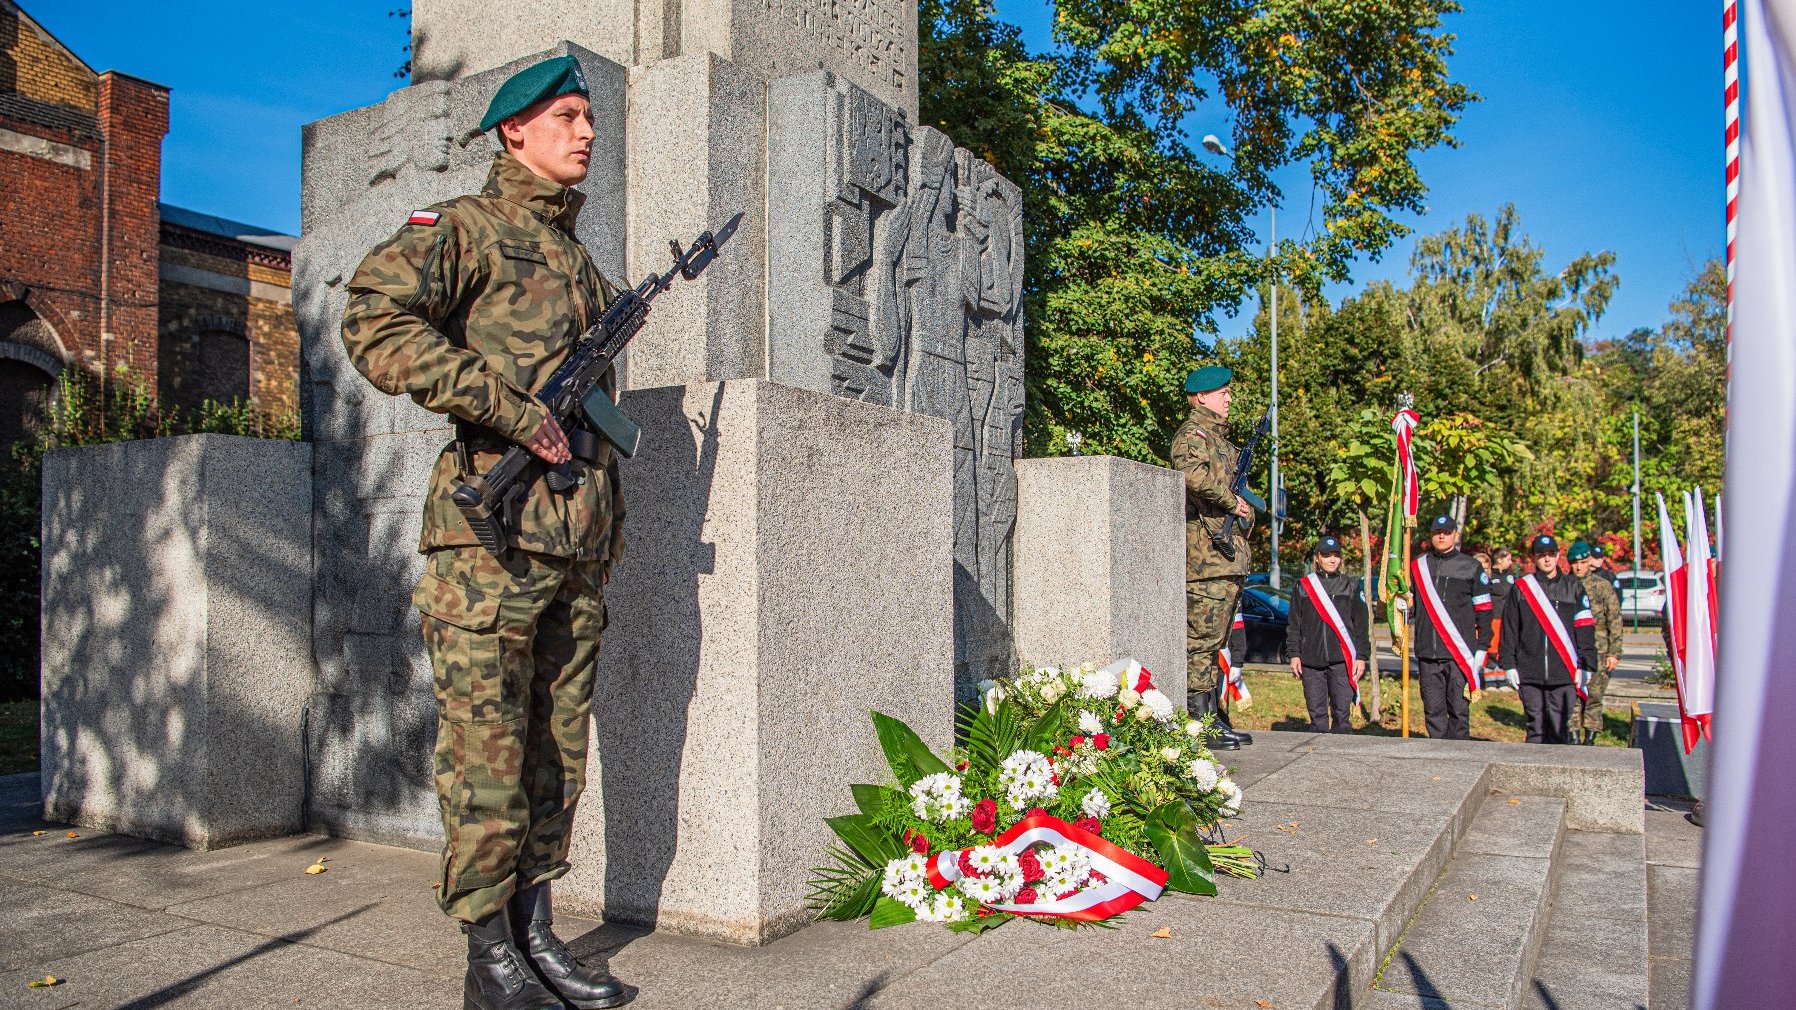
(1312, 640)
(1465, 590)
(1526, 647)
(1501, 585)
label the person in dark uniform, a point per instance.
(1451, 614)
(1502, 583)
(1601, 554)
(1549, 644)
(1329, 644)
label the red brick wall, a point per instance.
(133, 119)
(50, 243)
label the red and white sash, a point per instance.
(1548, 616)
(1325, 609)
(1233, 687)
(1443, 621)
(1129, 879)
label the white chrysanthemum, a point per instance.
(916, 863)
(1056, 884)
(1096, 684)
(1089, 723)
(1193, 728)
(1128, 698)
(1041, 675)
(1231, 797)
(984, 890)
(1096, 804)
(915, 893)
(992, 698)
(938, 797)
(894, 878)
(946, 908)
(1050, 693)
(1204, 773)
(1158, 703)
(1052, 859)
(986, 858)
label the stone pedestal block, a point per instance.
(1100, 564)
(789, 569)
(177, 637)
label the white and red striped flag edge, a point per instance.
(1698, 687)
(1404, 424)
(1730, 72)
(1748, 893)
(1676, 575)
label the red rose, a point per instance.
(965, 862)
(1031, 867)
(919, 845)
(1026, 896)
(985, 816)
(1089, 824)
(1101, 741)
(1036, 812)
(961, 767)
(1076, 740)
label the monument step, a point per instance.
(1474, 941)
(1595, 952)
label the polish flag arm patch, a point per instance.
(1481, 602)
(1583, 619)
(423, 217)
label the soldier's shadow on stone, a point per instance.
(1292, 724)
(1503, 715)
(650, 662)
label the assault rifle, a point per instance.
(1224, 541)
(489, 501)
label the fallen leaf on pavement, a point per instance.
(316, 868)
(1163, 933)
(73, 835)
(1515, 801)
(1471, 897)
(1371, 841)
(1263, 1004)
(44, 983)
(1289, 829)
(39, 834)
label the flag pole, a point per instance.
(1409, 528)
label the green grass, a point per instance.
(18, 737)
(1496, 715)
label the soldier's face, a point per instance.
(1330, 563)
(1547, 564)
(1216, 400)
(553, 138)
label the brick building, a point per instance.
(95, 273)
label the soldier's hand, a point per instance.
(1243, 509)
(549, 443)
(1611, 663)
(1296, 667)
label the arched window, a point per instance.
(28, 370)
(207, 363)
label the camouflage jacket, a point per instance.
(1202, 452)
(1605, 606)
(467, 308)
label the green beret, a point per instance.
(1208, 379)
(548, 79)
(1578, 551)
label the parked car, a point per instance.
(1267, 614)
(1642, 595)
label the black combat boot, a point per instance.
(583, 988)
(499, 978)
(1202, 703)
(1229, 732)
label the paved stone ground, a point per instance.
(1673, 853)
(137, 925)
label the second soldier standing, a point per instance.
(1605, 607)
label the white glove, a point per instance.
(1515, 679)
(1478, 660)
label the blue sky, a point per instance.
(1601, 119)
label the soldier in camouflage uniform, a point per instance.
(472, 304)
(1202, 452)
(1605, 606)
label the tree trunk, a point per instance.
(1375, 710)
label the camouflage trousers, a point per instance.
(513, 642)
(1590, 712)
(1209, 613)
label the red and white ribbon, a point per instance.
(1443, 621)
(1548, 616)
(1325, 608)
(1404, 424)
(1129, 879)
(1130, 675)
(1730, 61)
(1233, 686)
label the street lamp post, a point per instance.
(1214, 145)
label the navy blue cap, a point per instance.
(1596, 550)
(1328, 545)
(1543, 544)
(1443, 524)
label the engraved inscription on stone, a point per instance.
(868, 32)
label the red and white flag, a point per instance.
(1696, 684)
(1404, 424)
(1234, 688)
(1676, 579)
(1748, 892)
